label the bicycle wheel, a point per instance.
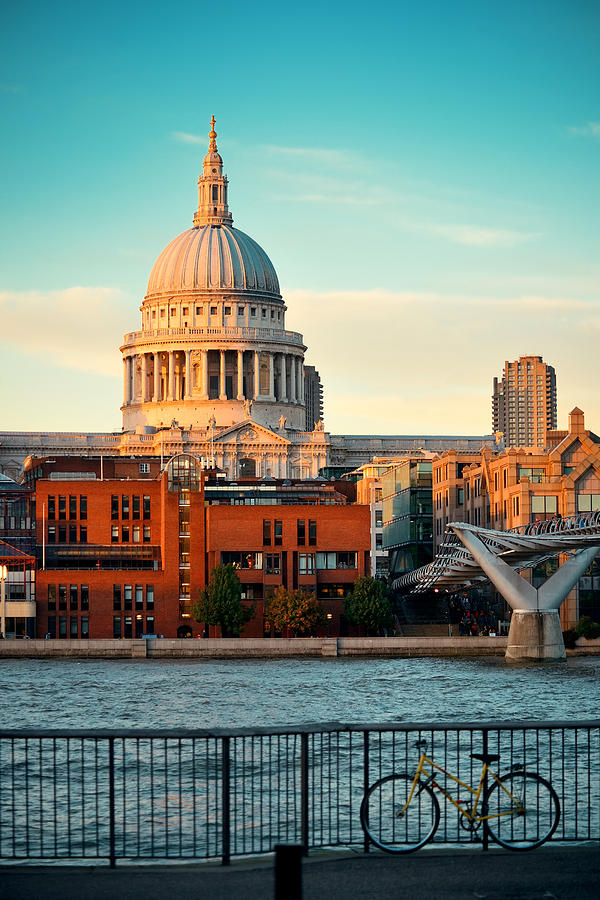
(388, 826)
(539, 815)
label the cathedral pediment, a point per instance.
(249, 432)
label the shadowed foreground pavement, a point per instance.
(551, 873)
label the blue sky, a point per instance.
(423, 176)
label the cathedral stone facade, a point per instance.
(213, 371)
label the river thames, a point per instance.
(250, 693)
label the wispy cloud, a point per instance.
(55, 325)
(184, 137)
(321, 156)
(590, 129)
(377, 379)
(480, 236)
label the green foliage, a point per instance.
(369, 605)
(587, 628)
(298, 610)
(220, 603)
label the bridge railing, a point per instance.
(150, 795)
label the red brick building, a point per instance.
(124, 547)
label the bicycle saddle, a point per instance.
(485, 757)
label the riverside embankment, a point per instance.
(268, 648)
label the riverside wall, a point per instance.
(267, 648)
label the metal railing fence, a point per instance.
(149, 795)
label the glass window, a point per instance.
(540, 504)
(306, 563)
(278, 532)
(52, 626)
(85, 632)
(51, 534)
(301, 532)
(139, 596)
(51, 596)
(136, 534)
(149, 596)
(127, 631)
(240, 310)
(273, 564)
(243, 560)
(72, 534)
(127, 596)
(72, 506)
(114, 507)
(266, 532)
(83, 534)
(62, 596)
(150, 625)
(125, 534)
(51, 507)
(146, 534)
(114, 534)
(588, 502)
(116, 596)
(73, 597)
(144, 470)
(62, 626)
(62, 507)
(312, 533)
(62, 534)
(252, 310)
(73, 627)
(85, 597)
(213, 310)
(116, 626)
(146, 507)
(227, 310)
(199, 310)
(135, 507)
(124, 506)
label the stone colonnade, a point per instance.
(164, 375)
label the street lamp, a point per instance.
(329, 618)
(3, 576)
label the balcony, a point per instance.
(213, 333)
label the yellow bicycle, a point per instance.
(401, 813)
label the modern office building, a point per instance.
(313, 397)
(524, 402)
(519, 486)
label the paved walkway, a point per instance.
(551, 873)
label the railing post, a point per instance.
(226, 804)
(304, 791)
(484, 808)
(366, 842)
(111, 802)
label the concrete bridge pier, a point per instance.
(535, 630)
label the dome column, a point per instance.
(271, 358)
(204, 374)
(171, 376)
(125, 385)
(292, 379)
(222, 390)
(188, 375)
(284, 376)
(156, 377)
(240, 375)
(144, 391)
(256, 376)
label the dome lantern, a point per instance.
(212, 187)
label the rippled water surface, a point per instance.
(247, 693)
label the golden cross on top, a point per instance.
(212, 135)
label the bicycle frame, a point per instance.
(428, 777)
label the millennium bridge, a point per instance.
(469, 554)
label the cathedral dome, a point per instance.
(213, 258)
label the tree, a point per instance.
(298, 610)
(220, 603)
(369, 605)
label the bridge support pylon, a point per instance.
(535, 630)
